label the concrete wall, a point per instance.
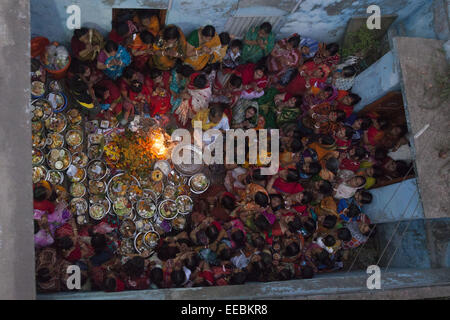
(395, 202)
(16, 202)
(324, 20)
(377, 80)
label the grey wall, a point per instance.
(16, 204)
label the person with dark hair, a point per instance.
(254, 80)
(258, 43)
(41, 195)
(122, 32)
(232, 57)
(113, 59)
(328, 54)
(227, 88)
(195, 99)
(344, 77)
(346, 101)
(86, 44)
(102, 253)
(343, 137)
(135, 275)
(238, 278)
(147, 21)
(286, 181)
(170, 47)
(178, 277)
(285, 57)
(108, 95)
(201, 47)
(156, 278)
(159, 85)
(141, 49)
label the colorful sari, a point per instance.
(247, 73)
(200, 61)
(239, 112)
(223, 92)
(177, 86)
(95, 38)
(254, 53)
(268, 109)
(166, 63)
(138, 45)
(189, 107)
(282, 59)
(115, 72)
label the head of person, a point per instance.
(262, 223)
(238, 237)
(329, 221)
(337, 116)
(82, 34)
(134, 267)
(123, 29)
(156, 75)
(295, 225)
(356, 182)
(101, 93)
(250, 113)
(178, 277)
(363, 197)
(296, 146)
(81, 69)
(318, 73)
(40, 193)
(130, 74)
(358, 153)
(98, 242)
(344, 234)
(260, 70)
(238, 278)
(235, 81)
(170, 34)
(344, 132)
(380, 154)
(110, 284)
(264, 30)
(225, 254)
(276, 202)
(200, 81)
(228, 203)
(136, 86)
(208, 32)
(156, 276)
(325, 188)
(146, 18)
(332, 165)
(353, 211)
(224, 38)
(292, 249)
(351, 99)
(311, 168)
(192, 262)
(331, 49)
(261, 199)
(285, 274)
(65, 243)
(398, 131)
(293, 41)
(304, 197)
(216, 113)
(111, 47)
(185, 70)
(259, 243)
(257, 176)
(236, 45)
(295, 102)
(212, 233)
(147, 37)
(309, 226)
(362, 123)
(326, 93)
(329, 241)
(348, 71)
(290, 175)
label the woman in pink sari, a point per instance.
(195, 99)
(285, 56)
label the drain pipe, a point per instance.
(296, 6)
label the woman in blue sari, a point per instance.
(113, 59)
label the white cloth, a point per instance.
(222, 125)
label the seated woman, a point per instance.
(160, 92)
(86, 44)
(323, 119)
(308, 76)
(279, 108)
(178, 83)
(258, 43)
(219, 53)
(318, 94)
(227, 88)
(147, 21)
(212, 118)
(233, 56)
(308, 47)
(200, 48)
(110, 99)
(284, 58)
(349, 187)
(245, 115)
(254, 80)
(170, 47)
(122, 33)
(141, 49)
(113, 60)
(328, 54)
(346, 101)
(140, 96)
(196, 98)
(344, 77)
(89, 75)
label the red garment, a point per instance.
(160, 104)
(297, 86)
(75, 254)
(114, 91)
(208, 276)
(349, 164)
(77, 46)
(340, 106)
(247, 73)
(44, 206)
(287, 187)
(113, 36)
(300, 209)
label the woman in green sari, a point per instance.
(245, 114)
(279, 108)
(258, 43)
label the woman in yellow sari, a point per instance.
(86, 44)
(170, 47)
(203, 46)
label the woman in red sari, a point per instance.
(285, 56)
(308, 76)
(160, 92)
(254, 80)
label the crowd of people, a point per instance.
(292, 225)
